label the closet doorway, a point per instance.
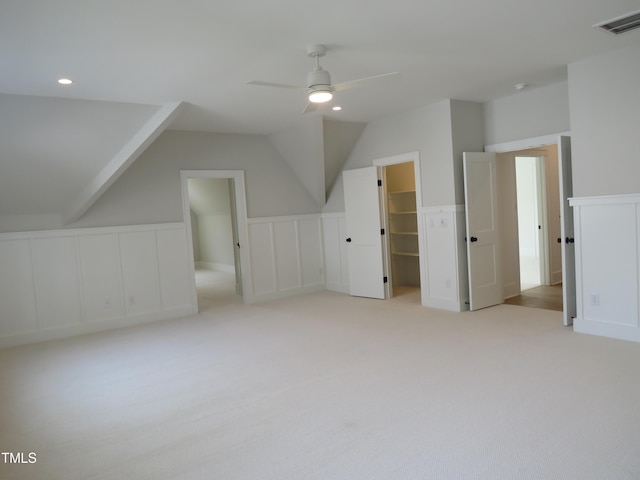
(401, 219)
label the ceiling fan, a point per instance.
(319, 88)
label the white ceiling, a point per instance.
(141, 54)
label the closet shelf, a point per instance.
(404, 254)
(403, 213)
(404, 233)
(402, 192)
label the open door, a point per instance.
(566, 228)
(481, 210)
(362, 218)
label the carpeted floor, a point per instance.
(326, 386)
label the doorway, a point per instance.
(559, 238)
(215, 219)
(532, 264)
(401, 220)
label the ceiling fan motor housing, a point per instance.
(319, 77)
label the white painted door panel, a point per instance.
(362, 214)
(567, 235)
(481, 207)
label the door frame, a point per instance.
(532, 143)
(413, 157)
(240, 213)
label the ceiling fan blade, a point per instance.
(276, 85)
(362, 81)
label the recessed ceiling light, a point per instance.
(337, 108)
(520, 86)
(65, 81)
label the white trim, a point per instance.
(85, 327)
(623, 199)
(444, 209)
(526, 143)
(285, 218)
(72, 232)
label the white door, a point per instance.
(481, 210)
(566, 229)
(362, 216)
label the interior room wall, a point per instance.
(302, 148)
(210, 200)
(426, 130)
(604, 104)
(150, 191)
(530, 113)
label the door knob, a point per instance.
(474, 239)
(559, 240)
(349, 240)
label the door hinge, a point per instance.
(382, 231)
(379, 183)
(385, 279)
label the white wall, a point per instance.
(604, 103)
(302, 147)
(150, 192)
(527, 114)
(210, 199)
(59, 283)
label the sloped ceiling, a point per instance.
(129, 58)
(55, 146)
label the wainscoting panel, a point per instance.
(60, 283)
(140, 272)
(442, 226)
(311, 254)
(174, 273)
(607, 265)
(101, 276)
(17, 294)
(56, 281)
(263, 265)
(285, 256)
(336, 266)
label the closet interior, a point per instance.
(402, 222)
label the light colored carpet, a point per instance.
(325, 386)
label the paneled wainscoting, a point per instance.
(286, 256)
(607, 243)
(60, 283)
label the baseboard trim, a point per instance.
(611, 330)
(93, 327)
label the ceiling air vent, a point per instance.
(622, 24)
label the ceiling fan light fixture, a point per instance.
(320, 95)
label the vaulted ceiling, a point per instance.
(129, 59)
